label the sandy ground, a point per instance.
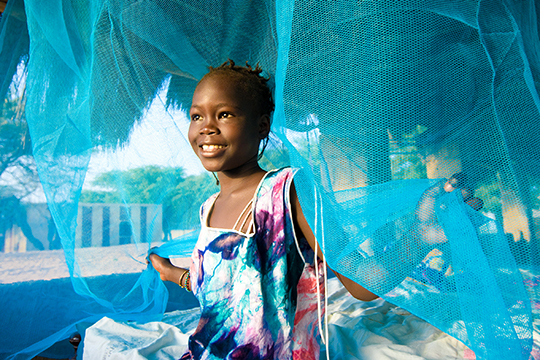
(48, 265)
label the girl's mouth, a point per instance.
(211, 150)
(211, 147)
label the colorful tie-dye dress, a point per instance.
(258, 296)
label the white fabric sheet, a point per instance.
(375, 330)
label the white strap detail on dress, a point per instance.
(325, 275)
(245, 219)
(318, 217)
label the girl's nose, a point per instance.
(209, 128)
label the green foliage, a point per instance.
(14, 144)
(179, 195)
(16, 160)
(405, 159)
(274, 158)
(143, 185)
(186, 198)
(14, 134)
(490, 193)
(99, 196)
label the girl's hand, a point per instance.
(167, 271)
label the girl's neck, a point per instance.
(240, 180)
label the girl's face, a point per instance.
(225, 129)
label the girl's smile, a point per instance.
(225, 129)
(211, 150)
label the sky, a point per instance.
(160, 138)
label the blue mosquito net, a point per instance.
(377, 102)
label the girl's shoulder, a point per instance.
(276, 180)
(277, 174)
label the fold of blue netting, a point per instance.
(377, 102)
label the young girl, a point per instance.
(253, 268)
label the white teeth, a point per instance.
(211, 147)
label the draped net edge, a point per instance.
(376, 102)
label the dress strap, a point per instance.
(246, 217)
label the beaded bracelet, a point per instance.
(187, 282)
(181, 280)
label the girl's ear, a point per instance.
(264, 126)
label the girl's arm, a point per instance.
(302, 228)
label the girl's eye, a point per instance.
(195, 117)
(224, 115)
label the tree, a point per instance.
(405, 158)
(15, 145)
(18, 172)
(179, 195)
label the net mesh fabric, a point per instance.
(378, 102)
